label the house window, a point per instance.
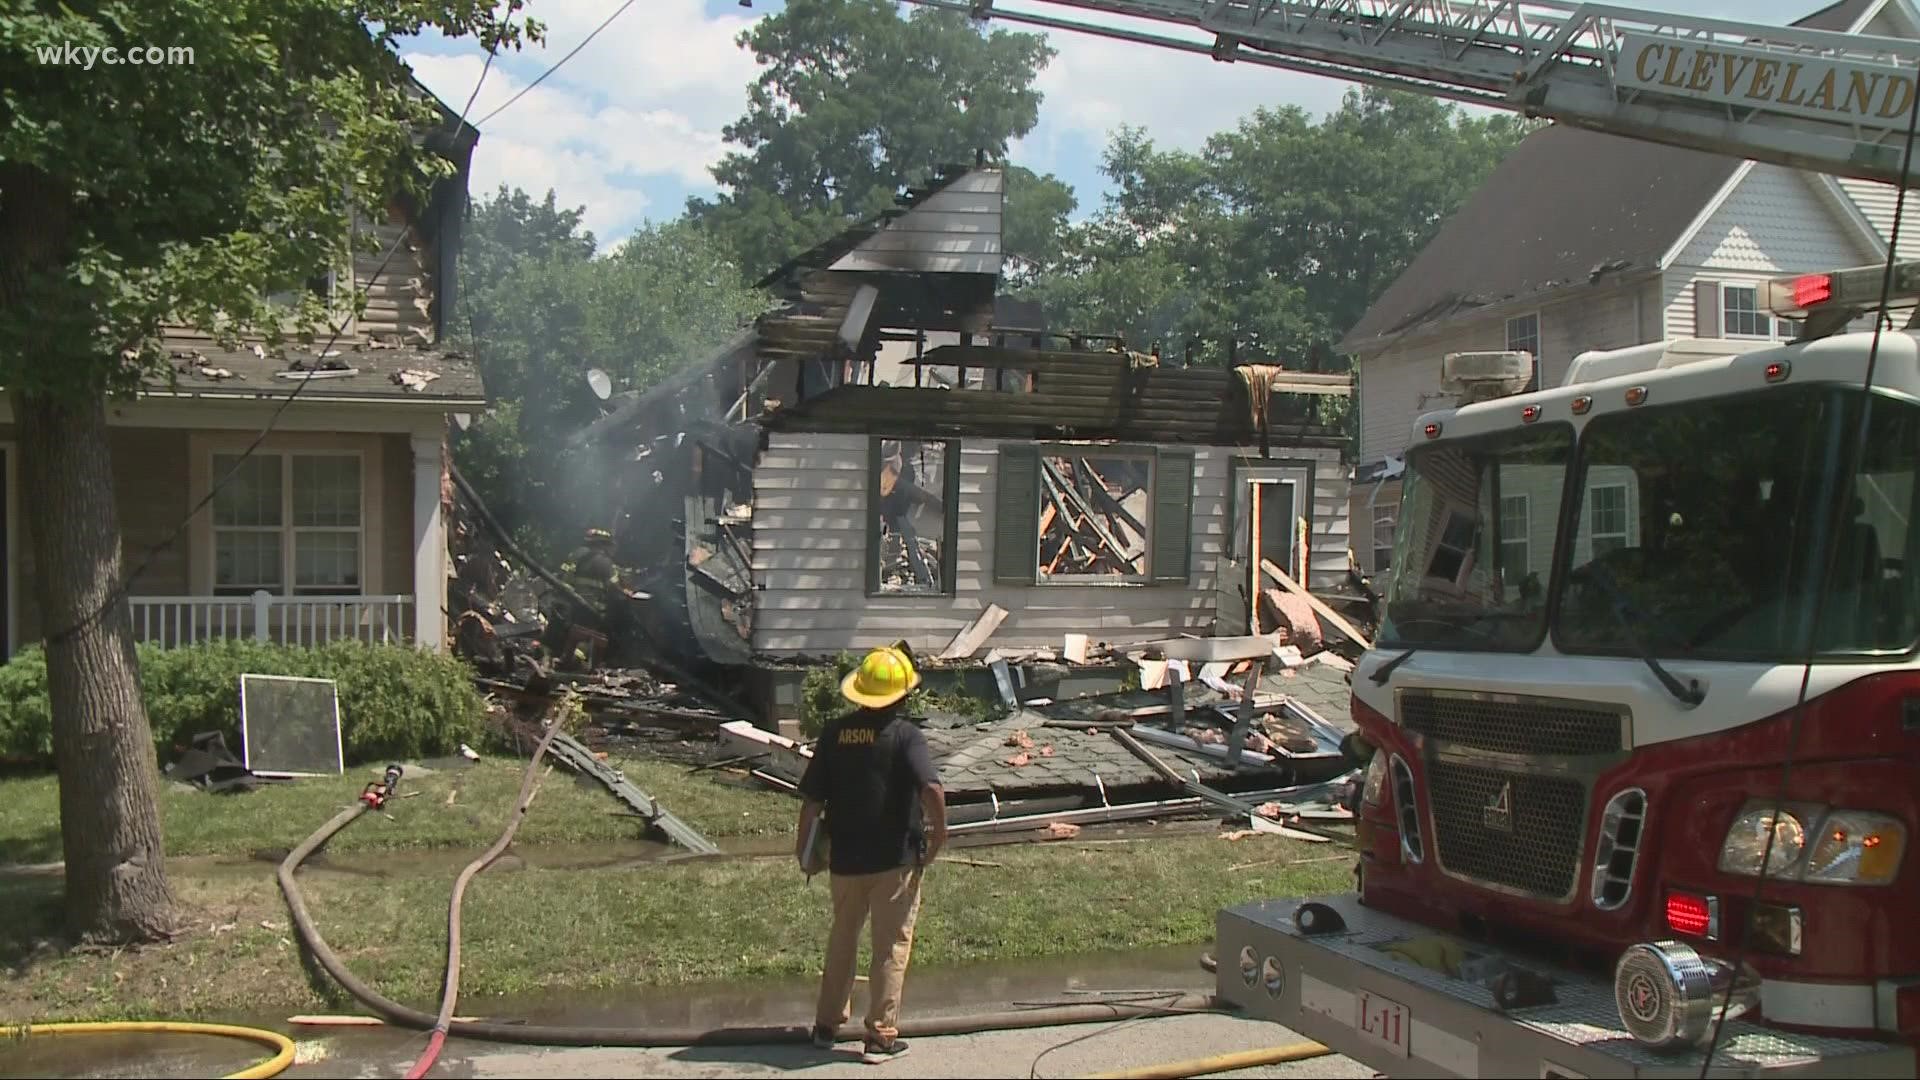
(1523, 335)
(1385, 518)
(1093, 514)
(1745, 318)
(1607, 517)
(911, 489)
(290, 524)
(1096, 512)
(1515, 550)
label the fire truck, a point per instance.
(1644, 811)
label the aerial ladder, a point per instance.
(1819, 100)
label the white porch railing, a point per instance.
(173, 621)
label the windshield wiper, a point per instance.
(1687, 693)
(1385, 671)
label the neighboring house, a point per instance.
(335, 525)
(1582, 241)
(895, 450)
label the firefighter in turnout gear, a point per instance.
(591, 572)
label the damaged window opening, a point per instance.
(289, 524)
(912, 485)
(1095, 517)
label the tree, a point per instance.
(1278, 234)
(664, 297)
(504, 231)
(136, 195)
(855, 103)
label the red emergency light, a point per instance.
(1693, 915)
(1812, 289)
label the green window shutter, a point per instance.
(1016, 516)
(1172, 524)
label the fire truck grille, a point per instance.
(1512, 830)
(1532, 726)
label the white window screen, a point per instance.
(287, 523)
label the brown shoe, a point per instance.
(879, 1053)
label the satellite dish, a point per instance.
(463, 420)
(602, 384)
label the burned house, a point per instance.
(896, 450)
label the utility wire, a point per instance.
(604, 23)
(120, 591)
(1848, 482)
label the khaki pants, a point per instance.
(892, 898)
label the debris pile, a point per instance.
(1091, 517)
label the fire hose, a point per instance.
(281, 1045)
(566, 1035)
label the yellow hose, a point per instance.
(274, 1066)
(1218, 1063)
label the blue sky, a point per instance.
(629, 126)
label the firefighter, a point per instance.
(590, 572)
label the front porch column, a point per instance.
(429, 545)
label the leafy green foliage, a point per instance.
(854, 103)
(143, 193)
(820, 699)
(1277, 234)
(395, 700)
(542, 311)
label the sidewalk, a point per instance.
(1068, 1051)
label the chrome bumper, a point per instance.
(1450, 1027)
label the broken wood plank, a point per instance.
(1321, 608)
(1211, 650)
(975, 634)
(782, 754)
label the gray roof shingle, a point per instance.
(198, 369)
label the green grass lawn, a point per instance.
(530, 927)
(653, 924)
(456, 808)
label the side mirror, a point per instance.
(1357, 750)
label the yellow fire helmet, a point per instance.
(883, 678)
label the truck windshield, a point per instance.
(1700, 528)
(1478, 519)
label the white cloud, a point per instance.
(641, 105)
(1095, 84)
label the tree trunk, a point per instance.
(109, 815)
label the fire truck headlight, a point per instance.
(1746, 842)
(1856, 848)
(1376, 786)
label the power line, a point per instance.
(120, 591)
(604, 23)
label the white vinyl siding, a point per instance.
(810, 541)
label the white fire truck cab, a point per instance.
(1603, 602)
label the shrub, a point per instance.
(820, 698)
(396, 701)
